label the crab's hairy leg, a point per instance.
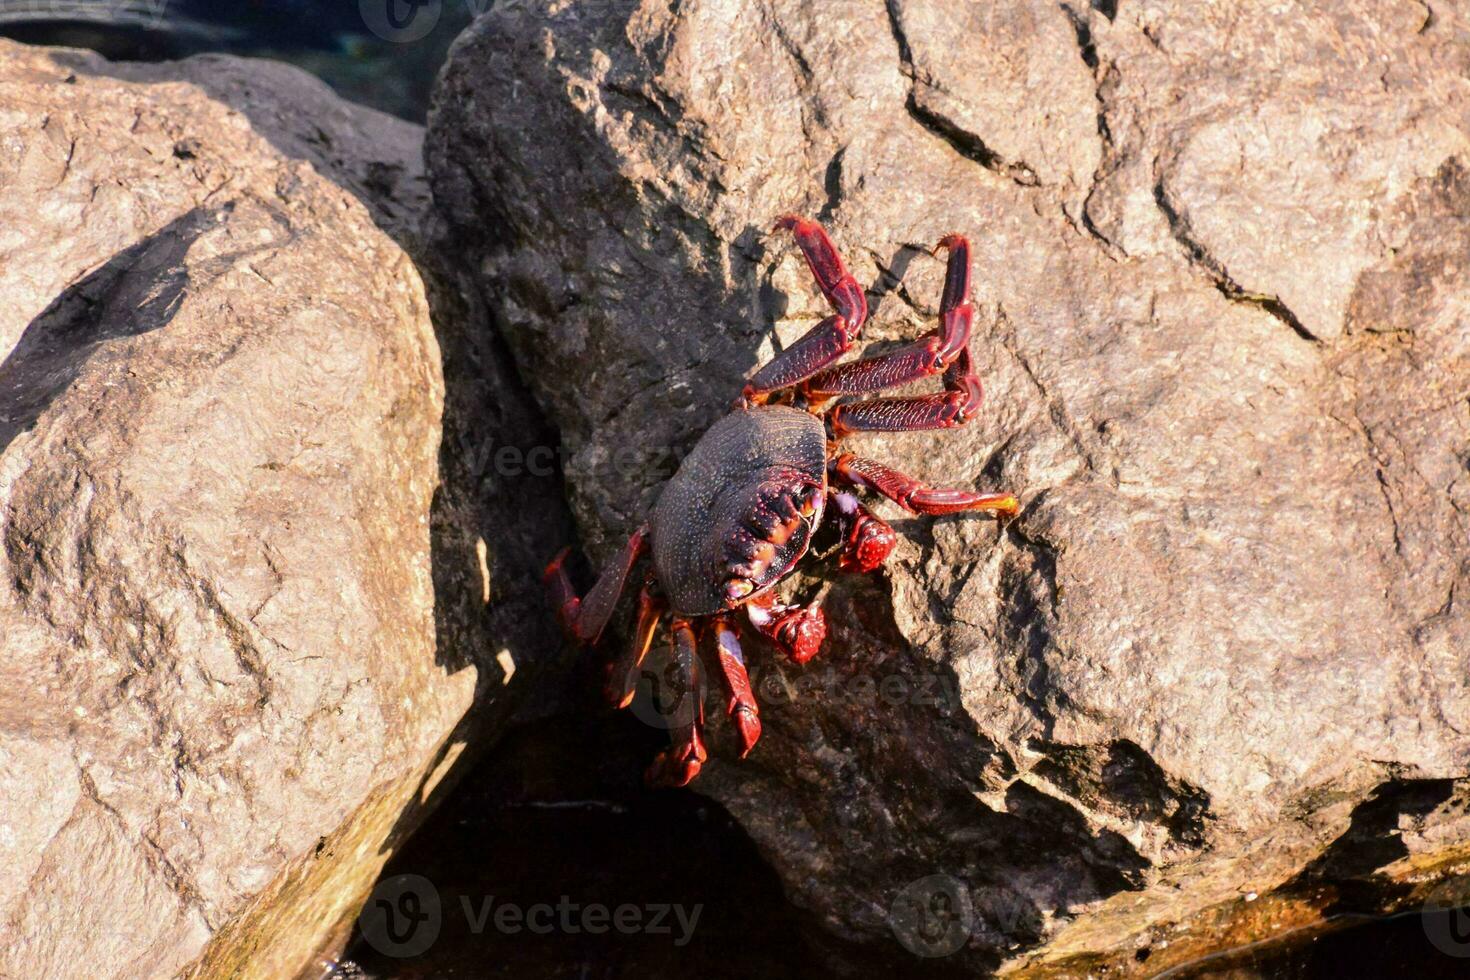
(930, 355)
(956, 405)
(948, 351)
(681, 761)
(797, 631)
(622, 676)
(585, 618)
(740, 701)
(911, 494)
(867, 540)
(831, 338)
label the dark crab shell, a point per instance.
(716, 496)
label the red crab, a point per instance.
(742, 508)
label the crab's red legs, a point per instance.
(586, 617)
(831, 338)
(910, 494)
(944, 351)
(622, 673)
(797, 631)
(681, 762)
(739, 701)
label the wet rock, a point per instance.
(1224, 348)
(238, 592)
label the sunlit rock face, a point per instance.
(1220, 253)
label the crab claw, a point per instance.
(797, 631)
(800, 632)
(868, 544)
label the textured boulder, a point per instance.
(1221, 251)
(229, 676)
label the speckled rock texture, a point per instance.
(238, 592)
(1220, 251)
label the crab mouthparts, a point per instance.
(738, 588)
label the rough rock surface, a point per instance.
(1221, 251)
(229, 677)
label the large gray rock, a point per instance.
(237, 604)
(1221, 252)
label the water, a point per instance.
(381, 53)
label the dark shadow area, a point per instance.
(136, 291)
(1350, 864)
(557, 816)
(1399, 946)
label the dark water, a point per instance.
(556, 814)
(382, 53)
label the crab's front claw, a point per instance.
(797, 631)
(679, 764)
(868, 544)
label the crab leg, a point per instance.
(739, 700)
(930, 355)
(585, 618)
(797, 631)
(678, 764)
(867, 539)
(956, 405)
(913, 496)
(622, 673)
(829, 339)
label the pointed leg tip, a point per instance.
(749, 727)
(619, 695)
(787, 221)
(951, 242)
(671, 772)
(554, 566)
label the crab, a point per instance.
(741, 510)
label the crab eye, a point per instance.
(738, 588)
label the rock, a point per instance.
(1223, 649)
(237, 601)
